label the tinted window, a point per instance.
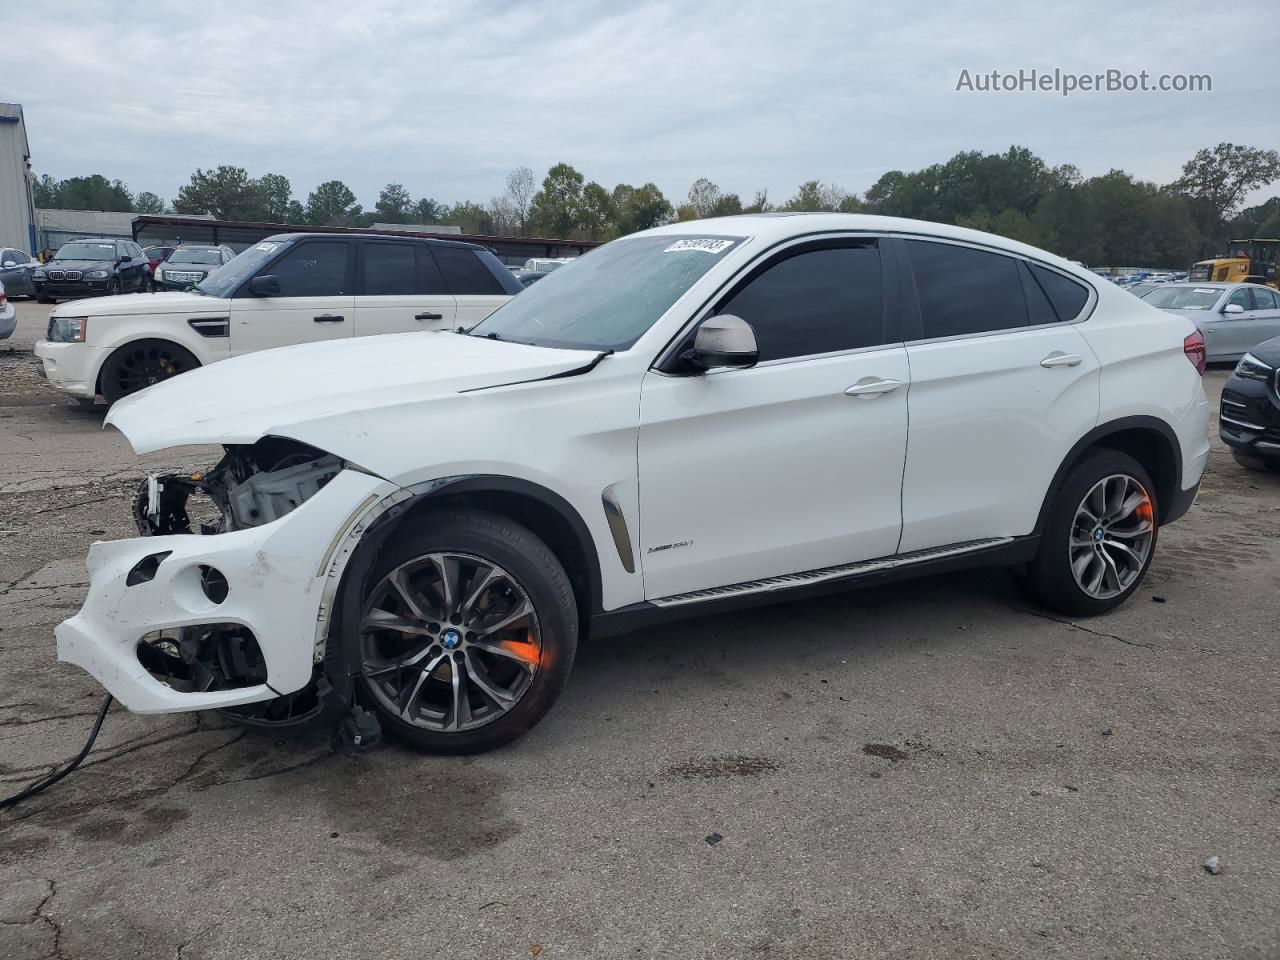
(1067, 296)
(1039, 309)
(814, 302)
(963, 290)
(388, 269)
(86, 250)
(465, 273)
(312, 270)
(1263, 299)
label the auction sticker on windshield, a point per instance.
(706, 246)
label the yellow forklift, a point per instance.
(1250, 261)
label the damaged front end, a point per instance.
(217, 605)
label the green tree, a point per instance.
(814, 195)
(556, 209)
(147, 202)
(225, 192)
(427, 210)
(471, 217)
(760, 204)
(597, 218)
(640, 208)
(275, 199)
(94, 192)
(394, 204)
(332, 204)
(44, 191)
(1217, 180)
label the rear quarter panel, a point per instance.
(1146, 373)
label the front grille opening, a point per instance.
(204, 658)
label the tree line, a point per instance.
(1114, 218)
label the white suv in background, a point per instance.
(708, 414)
(288, 289)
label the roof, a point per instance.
(773, 228)
(449, 241)
(205, 220)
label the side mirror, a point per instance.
(267, 285)
(1233, 308)
(124, 258)
(9, 263)
(723, 341)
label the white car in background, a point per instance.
(8, 316)
(289, 289)
(709, 414)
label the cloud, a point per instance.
(447, 97)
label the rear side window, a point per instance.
(1263, 299)
(1067, 296)
(964, 291)
(312, 270)
(466, 273)
(388, 269)
(818, 301)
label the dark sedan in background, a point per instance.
(1250, 414)
(92, 268)
(16, 268)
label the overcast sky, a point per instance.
(448, 97)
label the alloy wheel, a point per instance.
(1111, 536)
(146, 366)
(449, 642)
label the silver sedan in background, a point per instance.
(1232, 317)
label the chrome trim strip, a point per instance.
(825, 574)
(1240, 423)
(1235, 403)
(617, 521)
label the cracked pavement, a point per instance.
(931, 769)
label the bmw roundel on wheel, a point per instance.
(421, 527)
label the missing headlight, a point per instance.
(251, 485)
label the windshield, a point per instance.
(224, 281)
(86, 251)
(608, 298)
(195, 255)
(1184, 298)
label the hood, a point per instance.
(133, 304)
(79, 265)
(277, 392)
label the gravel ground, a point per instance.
(932, 769)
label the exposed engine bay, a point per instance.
(251, 485)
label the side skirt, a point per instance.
(1001, 552)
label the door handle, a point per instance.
(871, 388)
(328, 318)
(428, 316)
(1062, 360)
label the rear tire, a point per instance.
(467, 632)
(1101, 526)
(140, 364)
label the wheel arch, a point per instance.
(543, 511)
(97, 376)
(1149, 440)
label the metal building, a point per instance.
(56, 227)
(17, 212)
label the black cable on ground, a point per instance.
(54, 777)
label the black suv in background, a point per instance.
(1249, 418)
(92, 268)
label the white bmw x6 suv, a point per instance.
(711, 413)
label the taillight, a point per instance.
(1193, 347)
(3, 297)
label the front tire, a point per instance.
(140, 364)
(1098, 539)
(467, 632)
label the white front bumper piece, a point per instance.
(276, 576)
